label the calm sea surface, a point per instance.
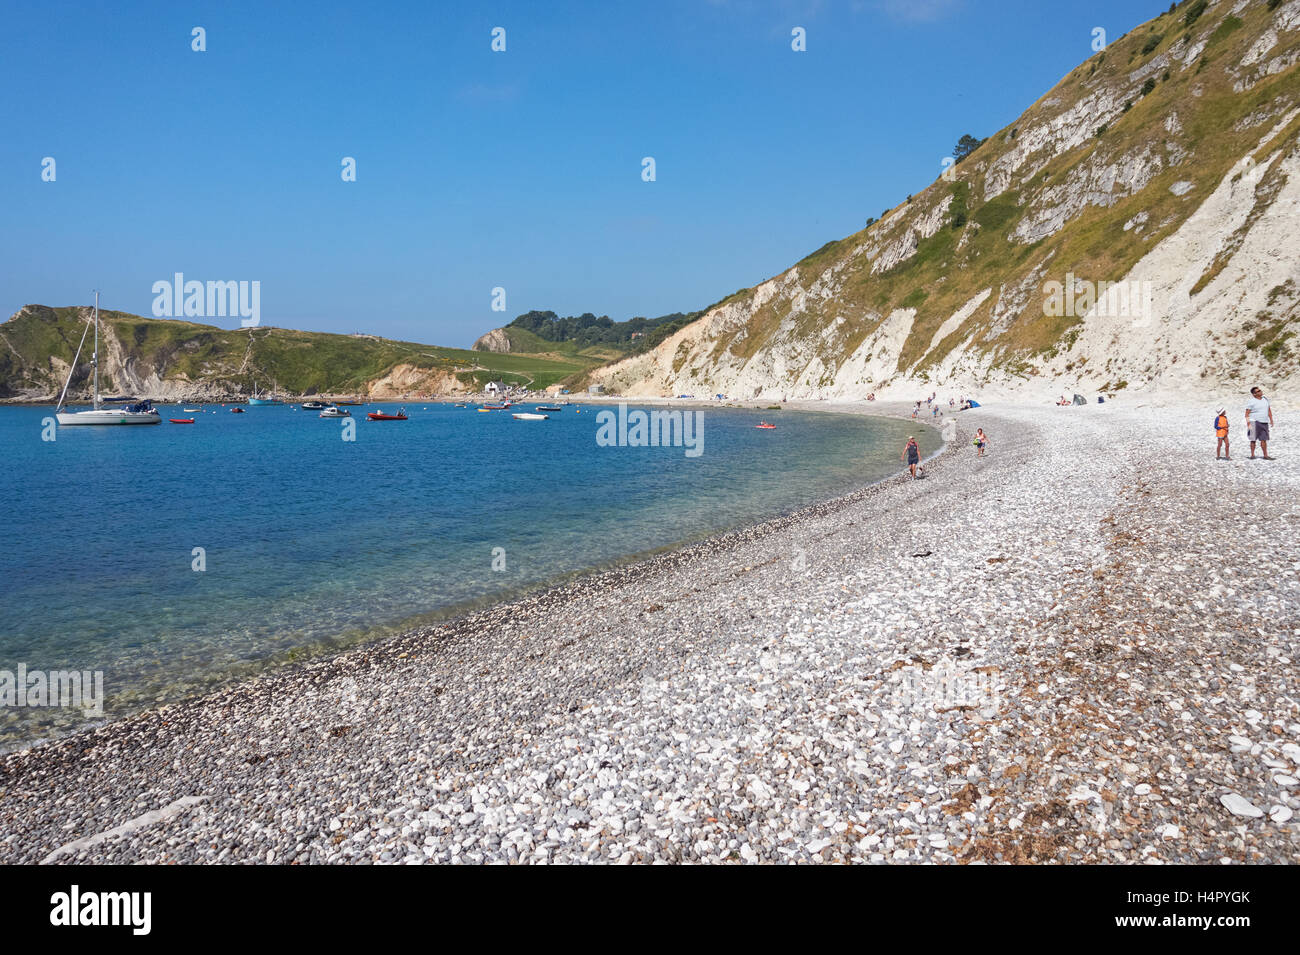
(310, 542)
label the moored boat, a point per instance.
(381, 416)
(334, 411)
(138, 412)
(181, 420)
(529, 416)
(271, 399)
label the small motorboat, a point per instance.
(460, 406)
(314, 406)
(192, 410)
(181, 420)
(529, 416)
(548, 408)
(765, 426)
(495, 407)
(380, 416)
(236, 410)
(334, 411)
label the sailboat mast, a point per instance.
(96, 359)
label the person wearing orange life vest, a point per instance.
(1221, 432)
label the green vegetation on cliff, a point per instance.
(149, 355)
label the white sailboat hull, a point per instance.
(133, 414)
(108, 416)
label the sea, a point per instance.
(172, 559)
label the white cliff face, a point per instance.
(1183, 348)
(1212, 260)
(494, 341)
(1196, 344)
(958, 318)
(1100, 182)
(1044, 139)
(904, 247)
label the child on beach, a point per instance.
(981, 441)
(912, 453)
(1221, 432)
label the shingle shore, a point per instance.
(1079, 648)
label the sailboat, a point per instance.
(141, 412)
(271, 399)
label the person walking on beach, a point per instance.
(912, 454)
(1259, 418)
(981, 442)
(1221, 432)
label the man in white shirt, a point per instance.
(1259, 418)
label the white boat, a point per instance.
(528, 416)
(334, 411)
(141, 412)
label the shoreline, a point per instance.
(716, 703)
(369, 637)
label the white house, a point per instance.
(495, 388)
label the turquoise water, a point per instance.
(311, 542)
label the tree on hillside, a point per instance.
(965, 146)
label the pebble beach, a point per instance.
(1079, 648)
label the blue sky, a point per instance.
(478, 169)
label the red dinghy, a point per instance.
(765, 426)
(181, 420)
(380, 416)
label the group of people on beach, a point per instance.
(1259, 419)
(932, 403)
